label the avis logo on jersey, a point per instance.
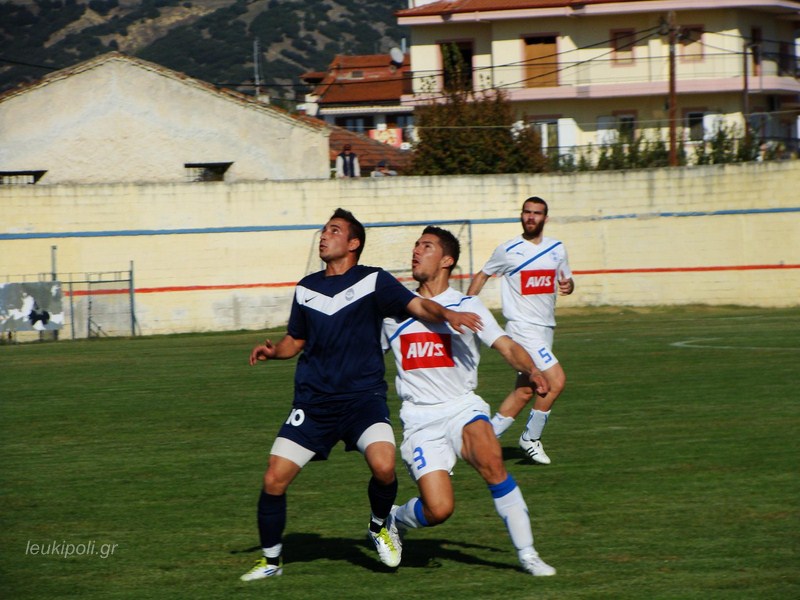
(542, 281)
(426, 350)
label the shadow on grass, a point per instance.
(424, 553)
(517, 456)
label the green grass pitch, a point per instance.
(675, 471)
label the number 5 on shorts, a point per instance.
(546, 356)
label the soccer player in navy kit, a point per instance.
(535, 270)
(443, 419)
(340, 391)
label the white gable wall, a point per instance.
(120, 122)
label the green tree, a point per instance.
(466, 132)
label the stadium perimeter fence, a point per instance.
(95, 304)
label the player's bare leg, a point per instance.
(482, 450)
(518, 399)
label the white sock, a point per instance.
(536, 423)
(501, 423)
(410, 514)
(273, 552)
(512, 509)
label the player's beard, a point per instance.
(535, 232)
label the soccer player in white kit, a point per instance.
(442, 417)
(535, 271)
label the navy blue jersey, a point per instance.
(339, 317)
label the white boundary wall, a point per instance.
(222, 256)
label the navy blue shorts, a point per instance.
(319, 427)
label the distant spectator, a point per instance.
(347, 163)
(383, 170)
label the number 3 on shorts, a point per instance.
(546, 356)
(419, 459)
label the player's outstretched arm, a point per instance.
(516, 356)
(428, 310)
(476, 285)
(286, 348)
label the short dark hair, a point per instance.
(449, 242)
(356, 229)
(535, 200)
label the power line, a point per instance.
(19, 63)
(433, 73)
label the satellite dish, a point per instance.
(397, 56)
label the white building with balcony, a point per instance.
(592, 72)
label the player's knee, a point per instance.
(558, 384)
(273, 484)
(438, 512)
(383, 471)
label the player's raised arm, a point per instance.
(288, 347)
(428, 310)
(478, 281)
(516, 356)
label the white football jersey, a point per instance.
(435, 363)
(530, 278)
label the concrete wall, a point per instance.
(225, 256)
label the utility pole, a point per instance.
(54, 276)
(673, 149)
(745, 89)
(256, 68)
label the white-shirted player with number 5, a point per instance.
(442, 417)
(535, 270)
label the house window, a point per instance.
(622, 41)
(691, 39)
(202, 172)
(620, 127)
(548, 131)
(401, 121)
(356, 124)
(694, 125)
(626, 127)
(786, 61)
(456, 65)
(357, 75)
(756, 38)
(20, 177)
(541, 61)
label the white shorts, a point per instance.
(432, 434)
(537, 340)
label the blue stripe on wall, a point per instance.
(264, 228)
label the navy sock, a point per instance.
(271, 518)
(381, 497)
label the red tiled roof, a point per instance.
(446, 7)
(371, 78)
(370, 152)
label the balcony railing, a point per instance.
(602, 71)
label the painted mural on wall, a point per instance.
(31, 306)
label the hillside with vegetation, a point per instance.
(212, 40)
